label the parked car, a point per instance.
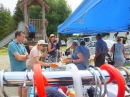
(63, 43)
(89, 39)
(91, 46)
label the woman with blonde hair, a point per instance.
(118, 52)
(52, 48)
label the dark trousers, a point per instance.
(100, 60)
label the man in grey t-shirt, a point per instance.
(100, 51)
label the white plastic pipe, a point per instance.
(77, 80)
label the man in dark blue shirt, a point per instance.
(101, 51)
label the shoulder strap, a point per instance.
(113, 51)
(51, 45)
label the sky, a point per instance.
(12, 3)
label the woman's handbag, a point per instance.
(111, 61)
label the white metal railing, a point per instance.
(37, 23)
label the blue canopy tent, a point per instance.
(98, 16)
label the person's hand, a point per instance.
(125, 57)
(27, 56)
(46, 57)
(69, 61)
(25, 53)
(49, 64)
(44, 54)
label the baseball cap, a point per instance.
(41, 42)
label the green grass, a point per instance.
(126, 64)
(3, 51)
(63, 48)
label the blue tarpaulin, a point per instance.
(98, 16)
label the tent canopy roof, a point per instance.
(98, 16)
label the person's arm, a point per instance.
(50, 49)
(123, 51)
(97, 53)
(98, 50)
(88, 54)
(36, 56)
(26, 26)
(30, 47)
(107, 50)
(20, 57)
(122, 38)
(13, 50)
(112, 48)
(40, 62)
(44, 54)
(81, 58)
(127, 41)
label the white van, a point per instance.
(89, 39)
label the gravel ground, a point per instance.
(5, 65)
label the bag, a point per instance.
(91, 91)
(111, 61)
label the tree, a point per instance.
(18, 15)
(12, 25)
(59, 11)
(4, 22)
(35, 12)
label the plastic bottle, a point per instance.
(48, 68)
(31, 92)
(63, 56)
